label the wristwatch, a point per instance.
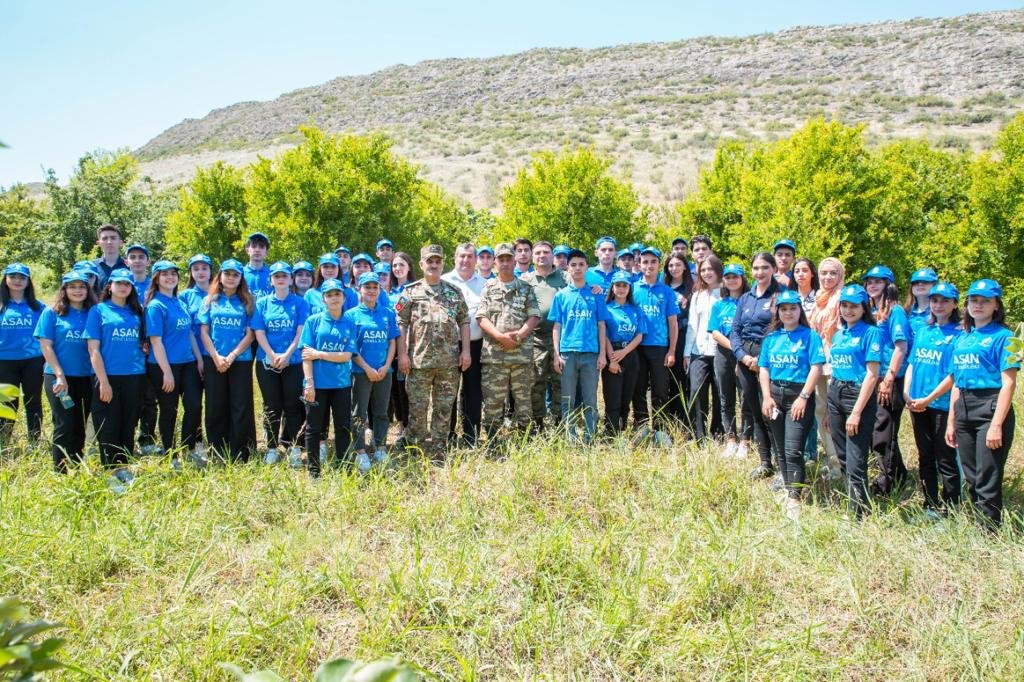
(805, 395)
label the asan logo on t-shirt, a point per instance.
(375, 335)
(124, 334)
(16, 322)
(227, 321)
(281, 324)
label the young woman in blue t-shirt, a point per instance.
(624, 331)
(21, 360)
(927, 386)
(116, 331)
(981, 418)
(790, 364)
(734, 285)
(67, 375)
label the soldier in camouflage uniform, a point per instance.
(508, 314)
(433, 318)
(546, 280)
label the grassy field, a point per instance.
(557, 563)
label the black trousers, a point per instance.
(26, 374)
(852, 451)
(330, 402)
(885, 442)
(654, 375)
(282, 404)
(983, 467)
(188, 388)
(750, 393)
(470, 398)
(230, 423)
(115, 422)
(69, 423)
(789, 435)
(617, 390)
(148, 414)
(398, 409)
(728, 385)
(704, 398)
(935, 459)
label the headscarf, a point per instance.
(825, 317)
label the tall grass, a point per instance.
(558, 563)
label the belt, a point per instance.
(787, 384)
(981, 392)
(842, 382)
(620, 346)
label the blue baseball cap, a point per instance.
(854, 293)
(162, 265)
(636, 247)
(331, 285)
(945, 290)
(257, 235)
(606, 238)
(75, 276)
(924, 275)
(561, 250)
(17, 269)
(137, 247)
(231, 265)
(368, 278)
(879, 272)
(330, 259)
(200, 258)
(651, 250)
(989, 288)
(624, 253)
(280, 266)
(382, 268)
(484, 249)
(733, 269)
(385, 242)
(121, 275)
(86, 266)
(785, 244)
(343, 248)
(302, 265)
(788, 297)
(622, 276)
(362, 256)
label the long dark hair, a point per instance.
(609, 297)
(687, 278)
(774, 288)
(61, 304)
(744, 287)
(30, 295)
(242, 292)
(999, 316)
(776, 322)
(815, 283)
(132, 303)
(154, 287)
(408, 261)
(318, 277)
(869, 315)
(192, 280)
(889, 299)
(954, 315)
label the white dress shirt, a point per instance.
(471, 290)
(698, 340)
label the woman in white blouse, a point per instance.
(699, 352)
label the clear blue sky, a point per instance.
(79, 75)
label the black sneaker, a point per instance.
(760, 472)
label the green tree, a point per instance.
(570, 198)
(22, 226)
(211, 214)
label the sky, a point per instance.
(79, 76)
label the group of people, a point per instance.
(518, 338)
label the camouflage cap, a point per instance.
(504, 249)
(431, 250)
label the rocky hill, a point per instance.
(659, 108)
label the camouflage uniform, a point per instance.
(430, 318)
(545, 378)
(507, 306)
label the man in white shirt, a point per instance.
(470, 398)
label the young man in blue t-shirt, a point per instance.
(657, 352)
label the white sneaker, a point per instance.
(323, 452)
(729, 451)
(741, 451)
(363, 462)
(793, 509)
(272, 456)
(295, 457)
(380, 456)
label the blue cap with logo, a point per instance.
(636, 247)
(74, 276)
(561, 250)
(162, 265)
(624, 253)
(121, 275)
(330, 259)
(484, 249)
(200, 258)
(788, 297)
(280, 266)
(854, 293)
(86, 266)
(369, 278)
(382, 268)
(733, 269)
(302, 265)
(137, 247)
(231, 265)
(362, 257)
(879, 272)
(17, 269)
(621, 276)
(258, 236)
(606, 239)
(331, 285)
(343, 248)
(989, 288)
(785, 244)
(924, 275)
(945, 290)
(385, 242)
(651, 250)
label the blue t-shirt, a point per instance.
(278, 320)
(932, 359)
(598, 277)
(315, 299)
(323, 332)
(624, 322)
(116, 327)
(193, 299)
(789, 355)
(852, 348)
(141, 287)
(374, 331)
(722, 313)
(228, 323)
(918, 320)
(980, 357)
(578, 311)
(169, 319)
(895, 328)
(658, 302)
(17, 332)
(67, 333)
(258, 281)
